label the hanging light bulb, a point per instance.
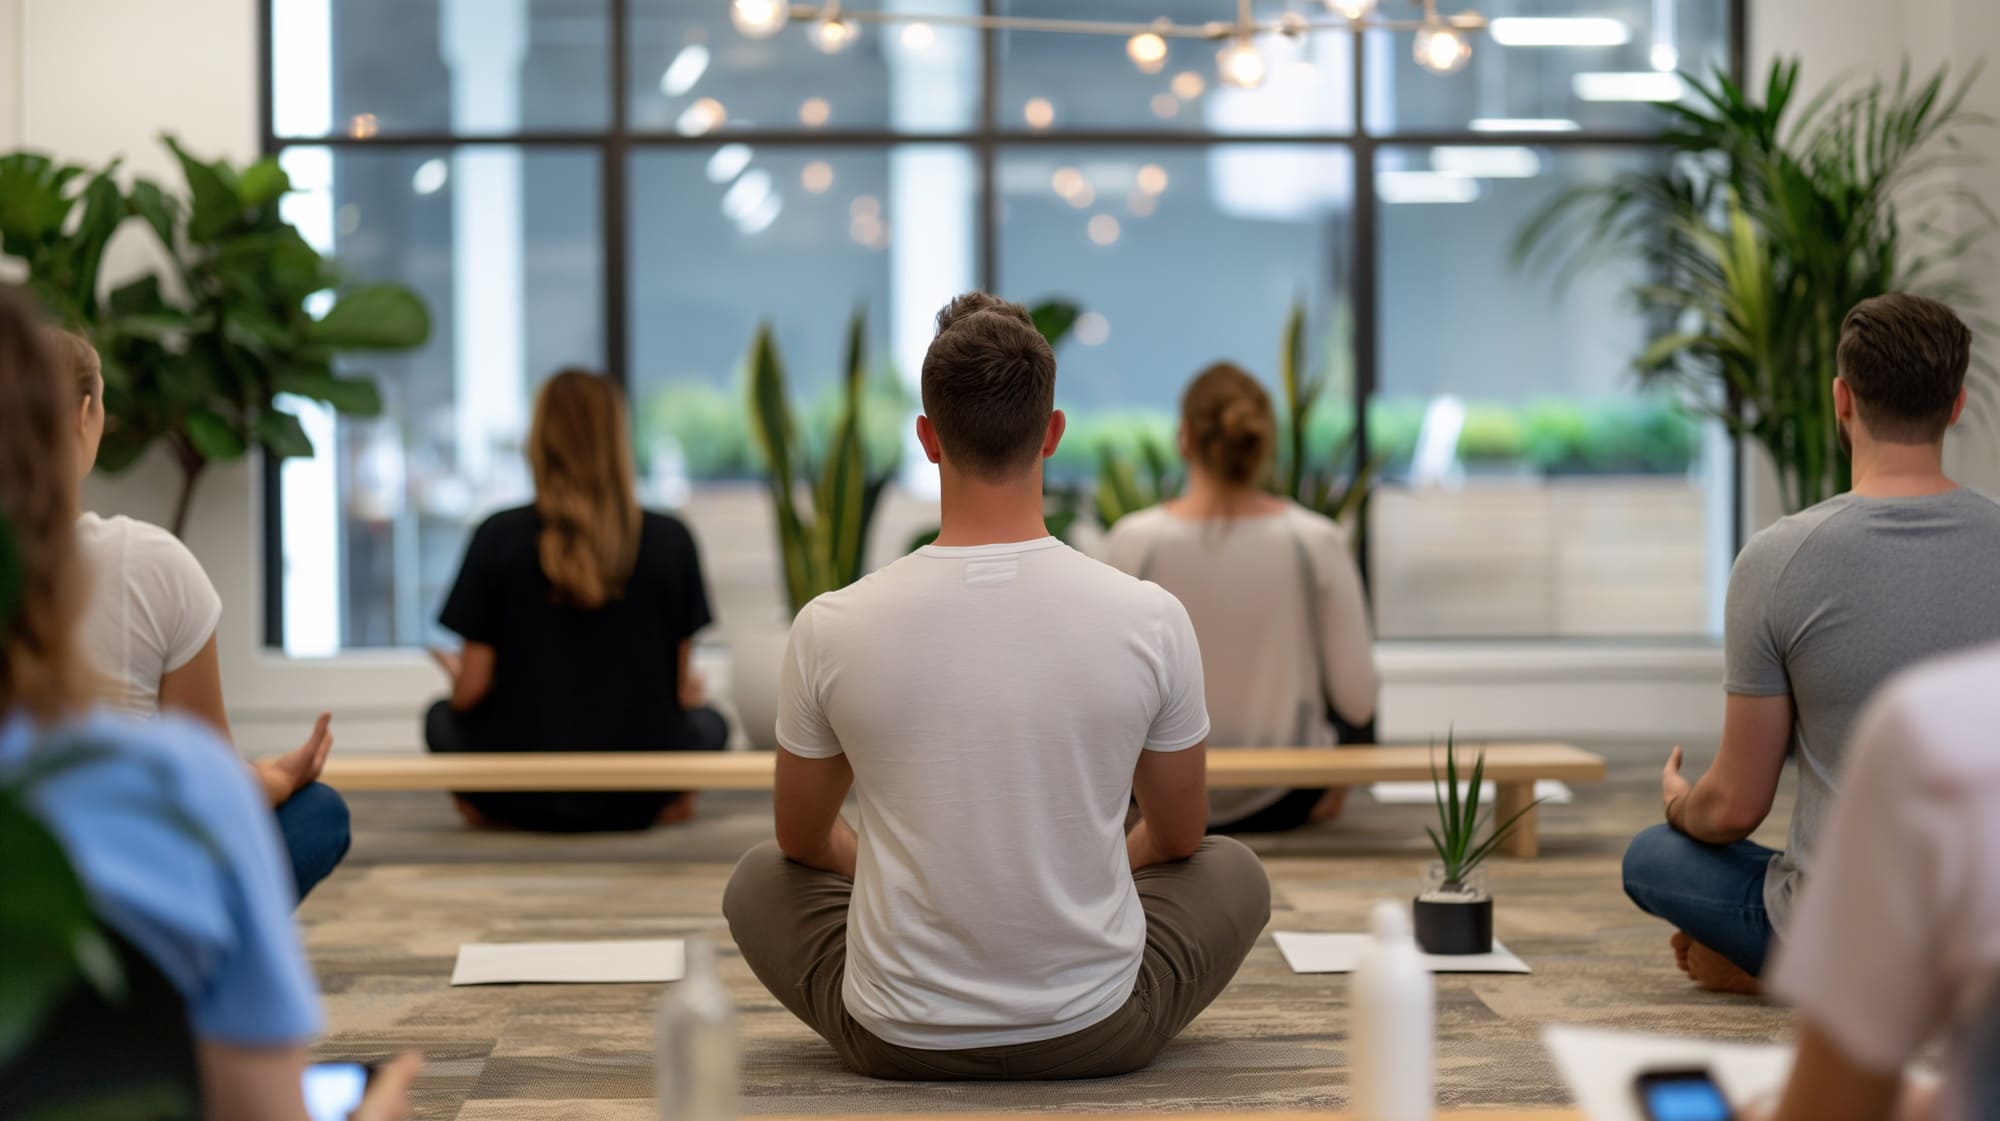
(833, 34)
(1148, 52)
(1353, 11)
(1442, 49)
(759, 19)
(1240, 63)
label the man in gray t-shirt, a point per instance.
(1823, 608)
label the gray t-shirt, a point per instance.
(1830, 603)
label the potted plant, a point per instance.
(197, 353)
(1454, 912)
(1776, 217)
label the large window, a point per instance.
(634, 186)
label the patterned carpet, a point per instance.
(384, 931)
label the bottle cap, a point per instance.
(1389, 921)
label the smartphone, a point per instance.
(333, 1090)
(1682, 1095)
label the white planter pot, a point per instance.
(755, 654)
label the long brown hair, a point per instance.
(1231, 429)
(581, 453)
(40, 670)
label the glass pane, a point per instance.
(1180, 256)
(1532, 489)
(1552, 65)
(1054, 81)
(503, 245)
(693, 73)
(365, 68)
(798, 238)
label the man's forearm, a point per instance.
(836, 853)
(1702, 814)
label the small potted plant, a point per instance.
(1454, 913)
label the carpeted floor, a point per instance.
(384, 931)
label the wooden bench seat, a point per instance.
(1512, 767)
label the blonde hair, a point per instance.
(76, 359)
(40, 670)
(1231, 430)
(581, 453)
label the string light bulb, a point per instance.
(760, 19)
(1354, 11)
(834, 34)
(1442, 49)
(1148, 52)
(1240, 64)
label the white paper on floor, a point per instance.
(1602, 1067)
(1419, 793)
(570, 963)
(1339, 953)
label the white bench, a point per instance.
(1513, 768)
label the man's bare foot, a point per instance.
(1718, 974)
(1331, 805)
(1682, 944)
(473, 817)
(679, 810)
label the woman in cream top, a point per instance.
(1273, 591)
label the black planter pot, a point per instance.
(1454, 928)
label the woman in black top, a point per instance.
(578, 614)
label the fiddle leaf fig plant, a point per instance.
(196, 353)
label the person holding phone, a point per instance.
(1897, 937)
(137, 804)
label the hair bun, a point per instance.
(1231, 429)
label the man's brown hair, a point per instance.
(1905, 358)
(989, 385)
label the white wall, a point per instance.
(89, 79)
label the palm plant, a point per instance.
(1456, 837)
(1775, 217)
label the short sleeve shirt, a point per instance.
(212, 910)
(570, 678)
(151, 608)
(993, 702)
(1828, 604)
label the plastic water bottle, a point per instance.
(697, 1043)
(1391, 1039)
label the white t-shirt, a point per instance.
(1896, 937)
(151, 608)
(993, 702)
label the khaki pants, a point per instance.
(1202, 917)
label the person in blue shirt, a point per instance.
(164, 829)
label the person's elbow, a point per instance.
(1735, 817)
(802, 846)
(1179, 840)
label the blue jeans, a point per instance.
(1712, 893)
(315, 828)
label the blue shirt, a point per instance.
(207, 899)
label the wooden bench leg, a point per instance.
(1511, 798)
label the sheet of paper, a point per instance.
(1339, 953)
(1602, 1067)
(1419, 793)
(570, 963)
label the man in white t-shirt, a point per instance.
(1896, 938)
(996, 701)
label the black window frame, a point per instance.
(987, 141)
